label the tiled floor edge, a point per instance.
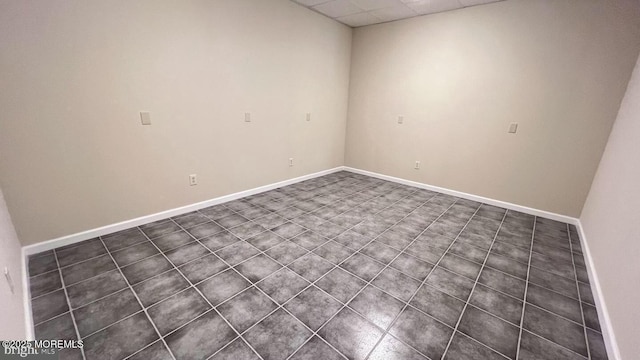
(603, 315)
(468, 196)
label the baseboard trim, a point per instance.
(613, 351)
(104, 230)
(26, 296)
(460, 194)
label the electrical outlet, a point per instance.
(400, 119)
(417, 166)
(308, 116)
(513, 128)
(193, 179)
(290, 162)
(145, 118)
(247, 117)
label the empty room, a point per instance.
(320, 179)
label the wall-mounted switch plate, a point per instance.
(513, 128)
(145, 118)
(193, 179)
(247, 117)
(400, 119)
(308, 116)
(417, 166)
(290, 162)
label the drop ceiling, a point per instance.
(356, 13)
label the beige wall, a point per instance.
(610, 222)
(12, 324)
(76, 74)
(558, 68)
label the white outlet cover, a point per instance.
(145, 118)
(308, 116)
(513, 128)
(400, 119)
(247, 117)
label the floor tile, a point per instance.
(438, 304)
(246, 309)
(396, 284)
(177, 310)
(591, 317)
(465, 348)
(313, 307)
(286, 252)
(533, 347)
(553, 282)
(87, 269)
(551, 265)
(330, 230)
(461, 266)
(422, 250)
(555, 328)
(85, 251)
(186, 253)
(257, 268)
(236, 253)
(502, 282)
(172, 240)
(340, 284)
(216, 212)
(146, 268)
(134, 253)
(450, 283)
(516, 253)
(105, 312)
(160, 287)
(270, 221)
(586, 295)
(202, 268)
(95, 288)
(554, 302)
(42, 264)
(395, 239)
(200, 338)
(507, 265)
(47, 306)
(219, 240)
(309, 240)
(352, 240)
(316, 349)
(333, 252)
(45, 283)
(265, 240)
(412, 266)
(247, 230)
(283, 285)
(277, 336)
(121, 339)
(223, 286)
(288, 230)
(490, 330)
(376, 306)
(422, 332)
(237, 350)
(159, 228)
(191, 219)
(311, 266)
(435, 240)
(156, 351)
(60, 327)
(491, 212)
(498, 304)
(123, 239)
(205, 230)
(231, 220)
(392, 349)
(362, 266)
(351, 334)
(468, 252)
(597, 348)
(380, 252)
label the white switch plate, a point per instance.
(513, 128)
(290, 162)
(193, 179)
(247, 117)
(308, 116)
(145, 118)
(400, 119)
(417, 166)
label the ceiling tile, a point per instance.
(310, 2)
(361, 19)
(337, 8)
(424, 7)
(394, 13)
(375, 4)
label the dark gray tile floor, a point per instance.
(340, 266)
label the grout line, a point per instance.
(138, 299)
(575, 274)
(526, 288)
(464, 309)
(66, 295)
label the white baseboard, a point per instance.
(26, 296)
(502, 204)
(603, 315)
(108, 229)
